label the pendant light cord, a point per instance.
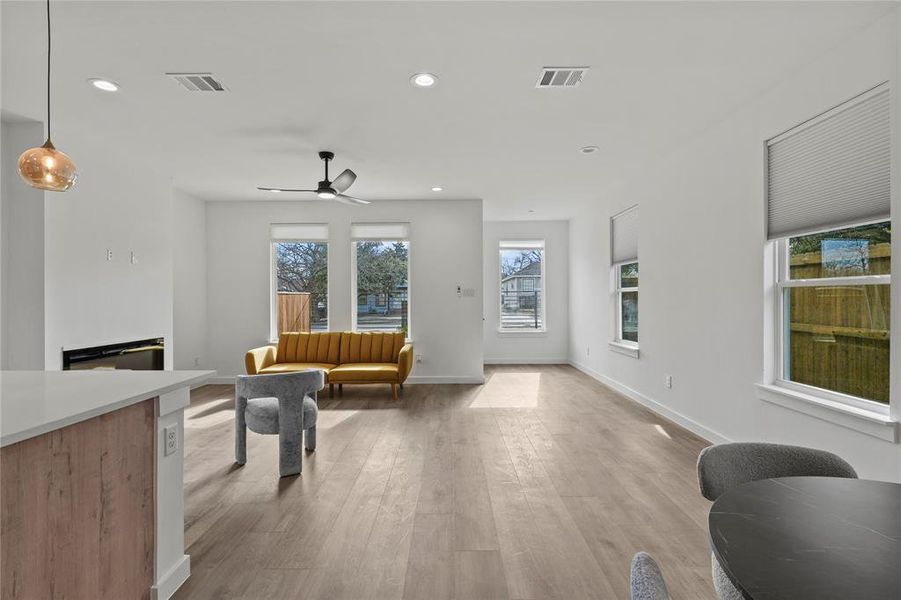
(48, 69)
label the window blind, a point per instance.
(833, 170)
(521, 244)
(380, 231)
(624, 236)
(313, 232)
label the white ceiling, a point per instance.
(335, 75)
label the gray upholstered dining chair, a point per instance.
(646, 580)
(724, 466)
(283, 404)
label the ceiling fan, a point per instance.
(329, 190)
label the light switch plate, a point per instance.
(170, 433)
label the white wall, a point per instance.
(189, 276)
(22, 254)
(445, 250)
(124, 206)
(521, 347)
(701, 245)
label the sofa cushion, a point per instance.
(364, 372)
(290, 367)
(371, 347)
(306, 347)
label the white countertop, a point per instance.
(35, 402)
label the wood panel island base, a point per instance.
(90, 499)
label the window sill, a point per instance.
(865, 421)
(624, 348)
(522, 332)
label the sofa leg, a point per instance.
(394, 391)
(340, 389)
(331, 390)
(401, 387)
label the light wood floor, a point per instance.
(541, 483)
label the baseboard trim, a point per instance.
(526, 361)
(662, 410)
(169, 583)
(432, 379)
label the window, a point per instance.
(627, 302)
(381, 280)
(828, 209)
(834, 293)
(300, 277)
(624, 258)
(522, 286)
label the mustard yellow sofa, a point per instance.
(345, 356)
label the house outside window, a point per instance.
(381, 277)
(299, 259)
(522, 288)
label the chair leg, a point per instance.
(309, 438)
(240, 442)
(394, 391)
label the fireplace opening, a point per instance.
(139, 355)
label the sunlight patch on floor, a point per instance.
(333, 417)
(662, 431)
(509, 390)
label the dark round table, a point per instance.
(810, 537)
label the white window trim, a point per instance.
(618, 344)
(528, 244)
(867, 416)
(353, 281)
(273, 285)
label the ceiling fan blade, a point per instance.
(350, 199)
(269, 189)
(344, 180)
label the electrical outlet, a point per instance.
(668, 381)
(171, 435)
(109, 254)
(587, 350)
(134, 259)
(419, 358)
(196, 361)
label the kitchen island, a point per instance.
(91, 483)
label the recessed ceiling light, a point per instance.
(531, 211)
(424, 80)
(589, 149)
(437, 189)
(104, 84)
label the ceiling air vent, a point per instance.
(560, 77)
(198, 82)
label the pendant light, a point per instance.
(45, 167)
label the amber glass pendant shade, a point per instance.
(47, 168)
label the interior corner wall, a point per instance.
(189, 281)
(445, 251)
(118, 206)
(528, 347)
(701, 246)
(22, 254)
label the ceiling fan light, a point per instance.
(328, 194)
(46, 168)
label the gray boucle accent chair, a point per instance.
(283, 404)
(646, 581)
(724, 466)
